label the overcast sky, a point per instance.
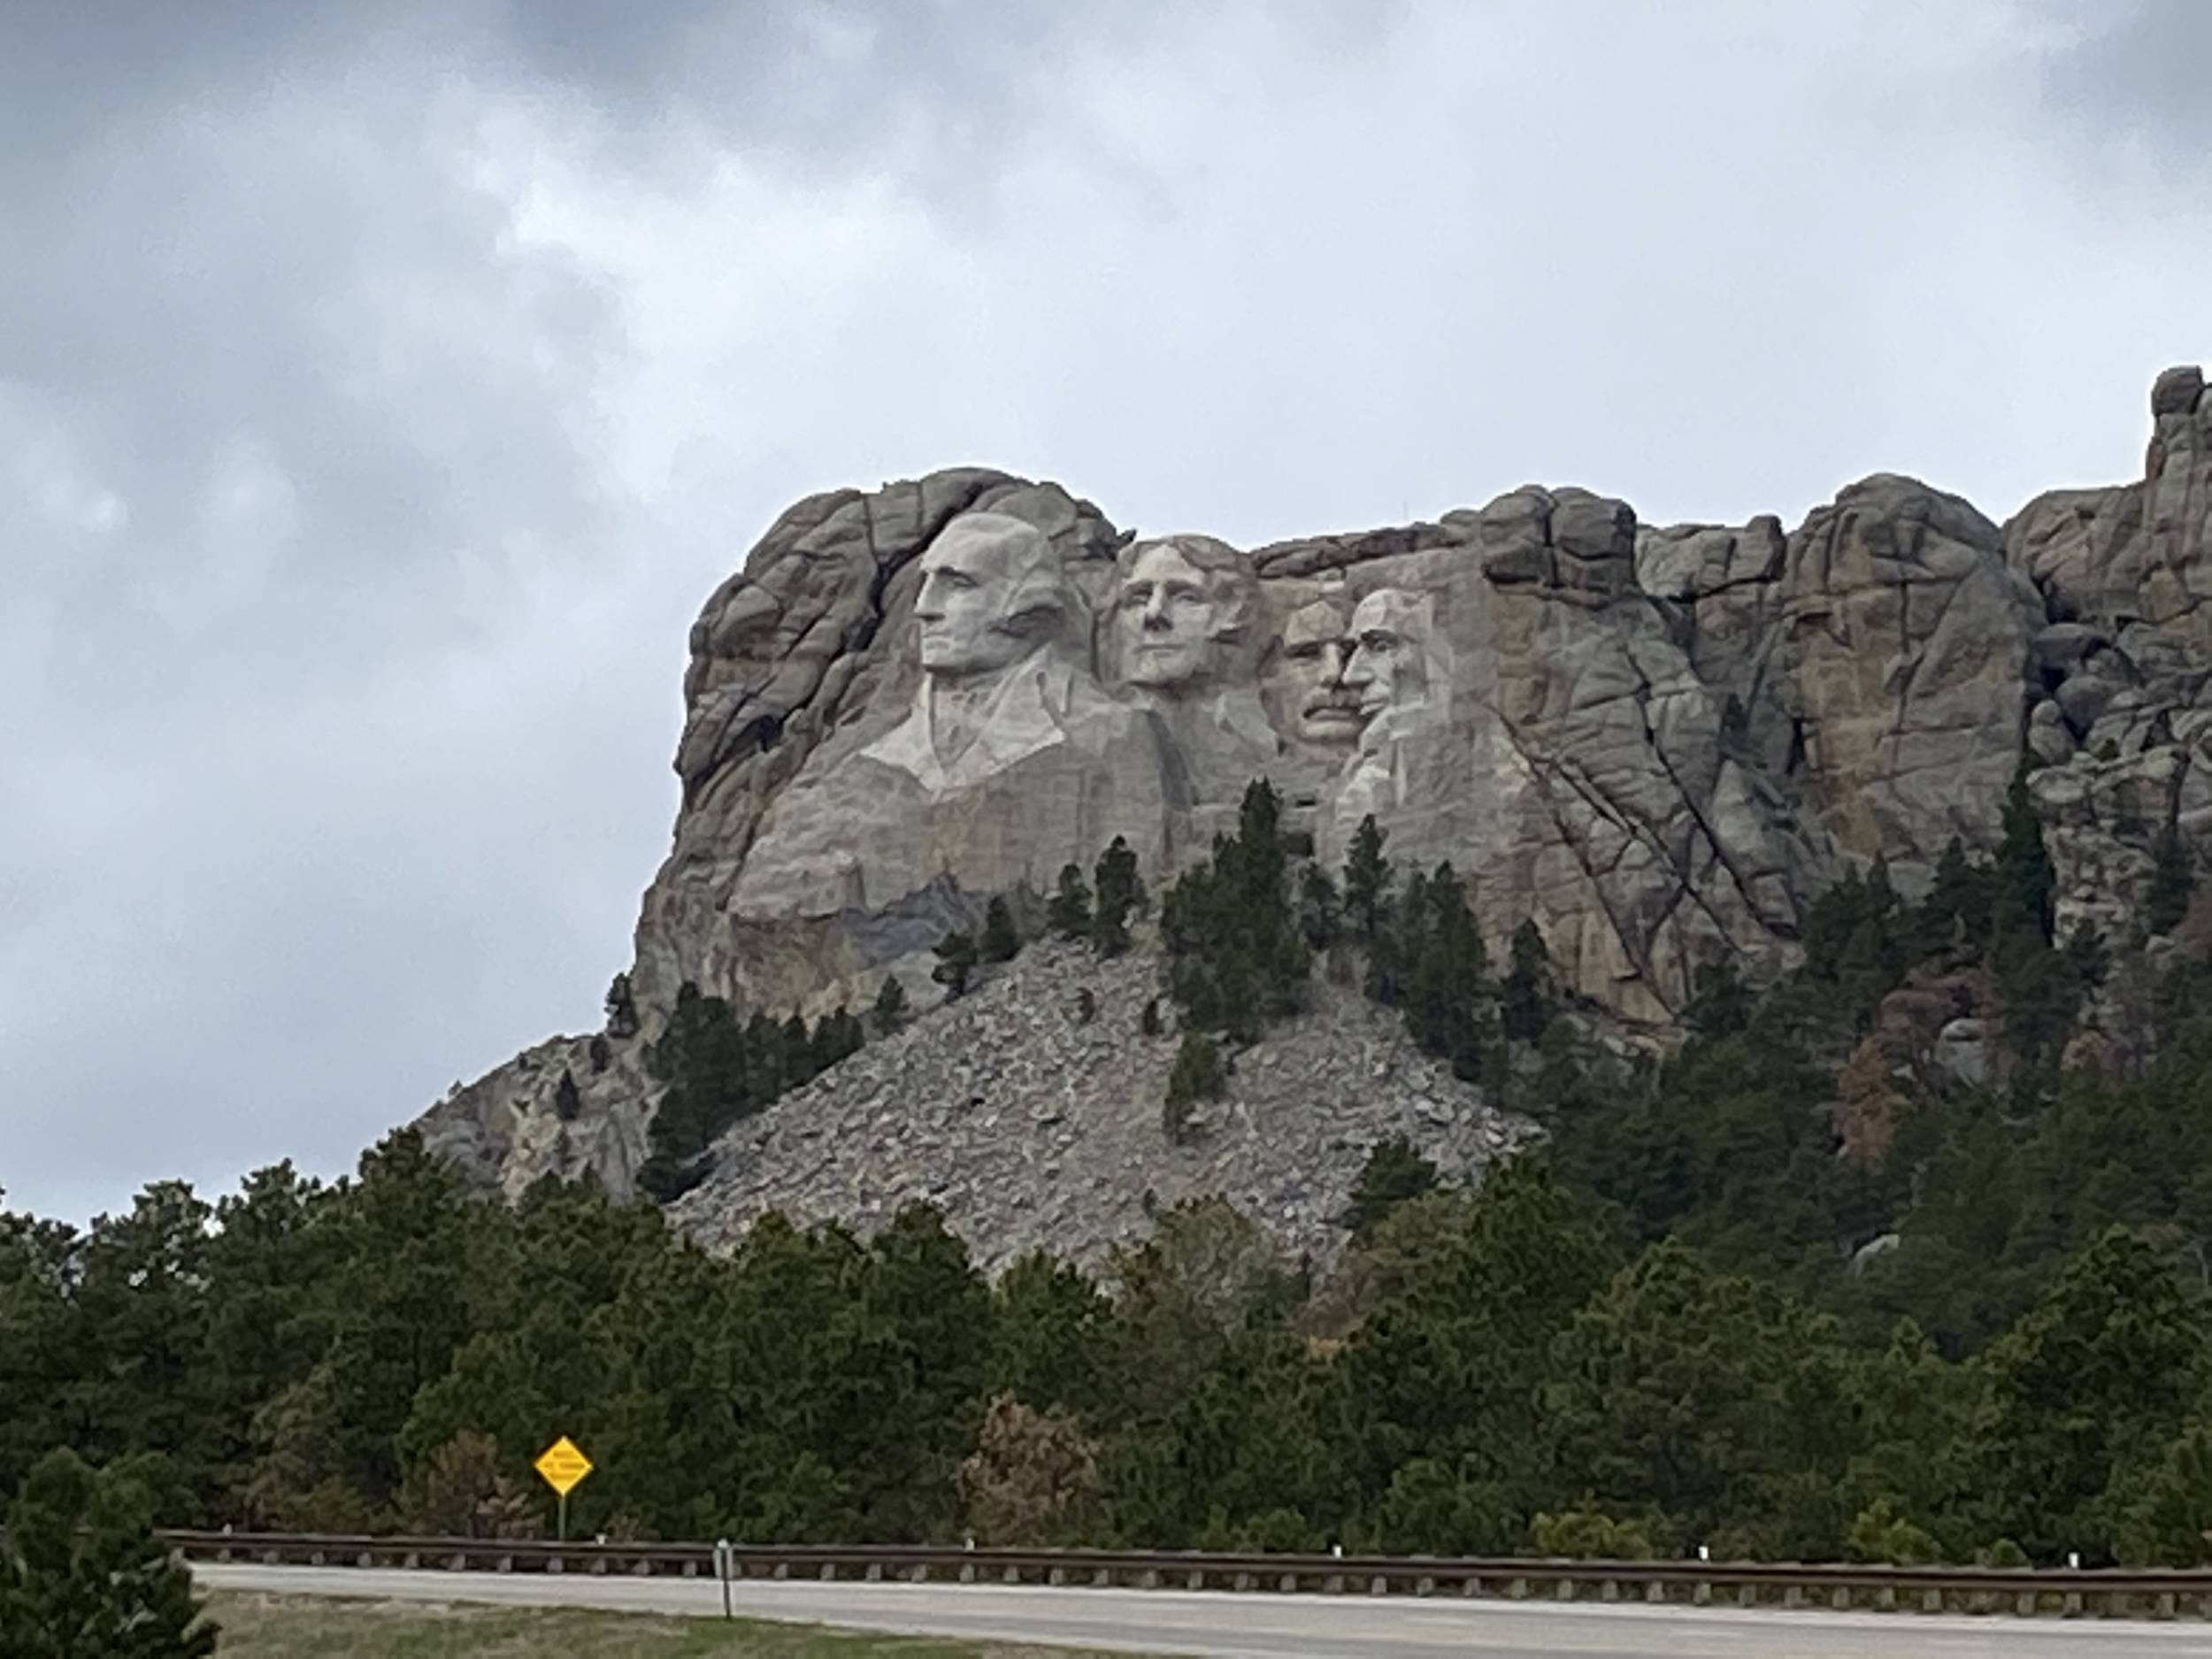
(383, 386)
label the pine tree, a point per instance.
(567, 1100)
(621, 1007)
(837, 1035)
(1195, 1076)
(83, 1577)
(1068, 914)
(1120, 894)
(2173, 879)
(1956, 908)
(797, 1044)
(890, 1010)
(1236, 955)
(2024, 880)
(1446, 997)
(1366, 881)
(956, 961)
(1394, 1172)
(1001, 939)
(1320, 908)
(1526, 996)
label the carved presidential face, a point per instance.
(991, 593)
(1170, 618)
(1388, 668)
(1316, 645)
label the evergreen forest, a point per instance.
(1764, 1295)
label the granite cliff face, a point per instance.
(1657, 742)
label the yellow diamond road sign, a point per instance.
(562, 1465)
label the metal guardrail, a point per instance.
(2152, 1594)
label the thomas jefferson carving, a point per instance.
(1184, 636)
(1012, 762)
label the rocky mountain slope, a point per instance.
(1034, 1125)
(1657, 743)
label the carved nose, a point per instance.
(1156, 612)
(1335, 665)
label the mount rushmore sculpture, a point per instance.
(1658, 744)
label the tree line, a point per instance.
(1519, 1367)
(1697, 1314)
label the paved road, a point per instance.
(1261, 1627)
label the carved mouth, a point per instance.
(1332, 714)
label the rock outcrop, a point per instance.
(1034, 1124)
(1658, 743)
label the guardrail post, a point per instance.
(2072, 1603)
(1610, 1591)
(1931, 1601)
(1792, 1596)
(1564, 1590)
(1747, 1595)
(1841, 1600)
(2164, 1606)
(1333, 1583)
(1655, 1590)
(1425, 1587)
(1379, 1585)
(1288, 1582)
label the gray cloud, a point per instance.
(382, 389)
(2140, 69)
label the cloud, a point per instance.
(2136, 69)
(381, 389)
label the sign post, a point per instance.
(561, 1465)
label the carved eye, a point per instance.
(953, 579)
(1381, 644)
(1136, 594)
